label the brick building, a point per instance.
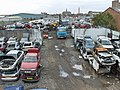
(116, 15)
(116, 4)
(115, 12)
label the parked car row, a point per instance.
(15, 64)
(14, 44)
(100, 54)
(20, 60)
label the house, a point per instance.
(116, 15)
(115, 12)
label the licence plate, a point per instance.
(27, 71)
(29, 78)
(8, 76)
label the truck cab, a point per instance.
(30, 67)
(61, 32)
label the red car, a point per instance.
(30, 67)
(3, 46)
(45, 35)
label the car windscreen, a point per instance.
(14, 55)
(24, 39)
(61, 30)
(30, 59)
(12, 39)
(37, 44)
(11, 45)
(106, 42)
(104, 54)
(27, 44)
(89, 43)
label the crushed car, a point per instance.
(10, 65)
(102, 60)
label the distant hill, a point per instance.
(28, 15)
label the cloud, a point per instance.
(51, 6)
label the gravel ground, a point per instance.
(64, 69)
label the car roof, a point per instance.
(118, 50)
(101, 49)
(118, 42)
(2, 38)
(31, 54)
(2, 42)
(89, 39)
(87, 36)
(13, 51)
(103, 37)
(28, 42)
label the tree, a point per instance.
(105, 20)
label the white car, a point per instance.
(116, 55)
(10, 65)
(11, 59)
(27, 45)
(11, 75)
(13, 46)
(104, 42)
(12, 40)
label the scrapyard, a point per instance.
(78, 62)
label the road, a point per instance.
(65, 69)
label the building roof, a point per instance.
(114, 9)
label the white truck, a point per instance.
(77, 35)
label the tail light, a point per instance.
(36, 77)
(22, 76)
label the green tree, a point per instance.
(105, 20)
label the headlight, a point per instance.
(12, 67)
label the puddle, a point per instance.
(80, 56)
(60, 54)
(62, 72)
(76, 74)
(56, 46)
(87, 76)
(62, 50)
(73, 60)
(71, 45)
(78, 67)
(57, 49)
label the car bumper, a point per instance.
(30, 80)
(9, 78)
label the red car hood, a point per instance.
(29, 65)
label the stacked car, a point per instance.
(105, 42)
(87, 46)
(99, 54)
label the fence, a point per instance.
(17, 33)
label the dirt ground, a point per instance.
(64, 69)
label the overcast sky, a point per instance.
(52, 6)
